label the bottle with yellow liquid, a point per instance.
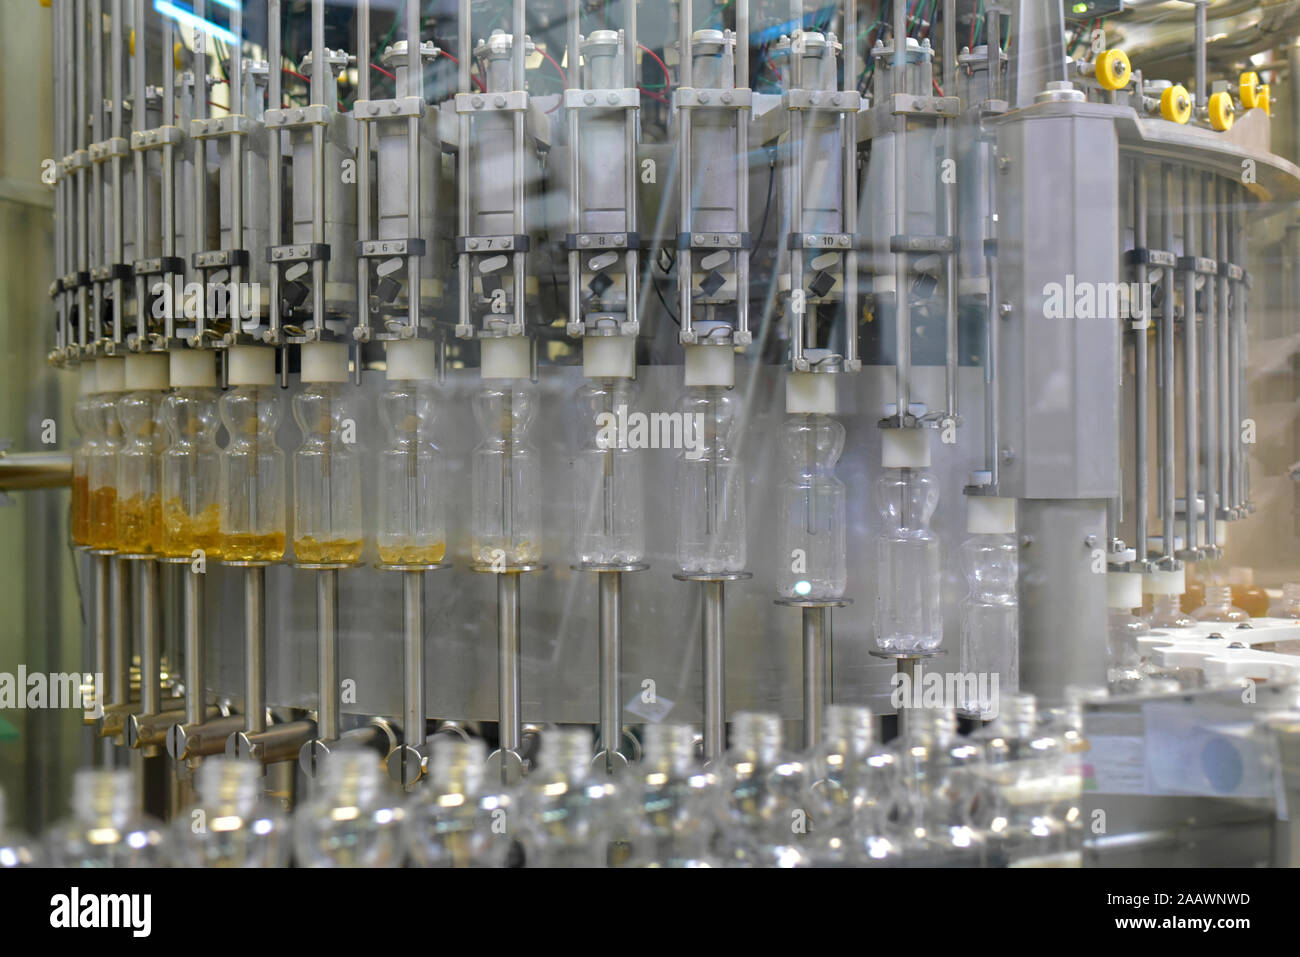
(87, 426)
(327, 527)
(191, 511)
(139, 506)
(411, 527)
(506, 470)
(101, 460)
(252, 465)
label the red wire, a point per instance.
(297, 76)
(937, 88)
(668, 82)
(376, 66)
(654, 96)
(558, 69)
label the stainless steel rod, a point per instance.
(327, 645)
(713, 637)
(815, 621)
(611, 664)
(508, 663)
(195, 663)
(255, 648)
(413, 659)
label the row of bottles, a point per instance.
(1007, 796)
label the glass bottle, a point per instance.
(1167, 612)
(1288, 606)
(506, 470)
(139, 502)
(191, 509)
(764, 799)
(1124, 673)
(15, 850)
(327, 524)
(101, 460)
(106, 828)
(1065, 724)
(87, 427)
(943, 796)
(570, 811)
(411, 529)
(670, 799)
(454, 820)
(908, 616)
(1218, 606)
(609, 498)
(853, 793)
(710, 483)
(252, 465)
(811, 555)
(353, 820)
(1022, 766)
(232, 824)
(990, 613)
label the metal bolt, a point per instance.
(611, 98)
(837, 99)
(500, 101)
(477, 102)
(473, 244)
(733, 240)
(584, 240)
(844, 240)
(1004, 310)
(704, 97)
(589, 98)
(1090, 541)
(697, 239)
(620, 239)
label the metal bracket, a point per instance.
(923, 105)
(688, 98)
(830, 101)
(374, 110)
(157, 138)
(611, 241)
(236, 124)
(695, 240)
(220, 259)
(921, 244)
(492, 244)
(298, 253)
(842, 242)
(383, 248)
(1198, 264)
(512, 102)
(602, 99)
(318, 115)
(108, 149)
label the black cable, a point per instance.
(767, 208)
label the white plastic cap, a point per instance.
(1220, 532)
(810, 393)
(508, 358)
(110, 374)
(990, 515)
(905, 448)
(1164, 582)
(192, 369)
(324, 361)
(412, 359)
(609, 357)
(711, 365)
(86, 377)
(250, 365)
(147, 372)
(1124, 590)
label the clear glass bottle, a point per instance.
(455, 820)
(1065, 724)
(943, 796)
(670, 802)
(327, 524)
(990, 612)
(412, 528)
(506, 476)
(609, 495)
(853, 794)
(87, 427)
(1288, 606)
(811, 555)
(232, 824)
(570, 810)
(101, 460)
(908, 615)
(106, 828)
(1124, 672)
(764, 798)
(1167, 612)
(139, 502)
(353, 819)
(1218, 606)
(710, 484)
(1022, 767)
(252, 476)
(15, 850)
(191, 463)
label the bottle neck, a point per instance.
(757, 736)
(456, 766)
(937, 725)
(670, 748)
(1018, 717)
(1166, 604)
(566, 753)
(1218, 595)
(229, 783)
(849, 730)
(103, 796)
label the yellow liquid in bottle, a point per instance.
(139, 525)
(182, 534)
(406, 552)
(313, 551)
(80, 510)
(523, 553)
(252, 547)
(102, 522)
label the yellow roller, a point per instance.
(131, 43)
(1264, 103)
(1114, 70)
(1176, 104)
(1222, 112)
(1248, 88)
(178, 56)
